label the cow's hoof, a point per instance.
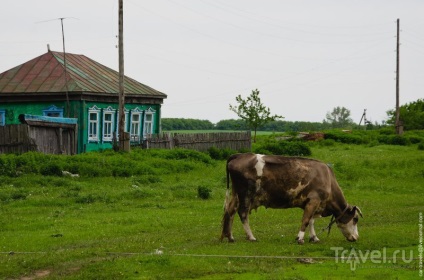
(230, 238)
(300, 241)
(313, 239)
(251, 239)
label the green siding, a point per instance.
(14, 110)
(79, 110)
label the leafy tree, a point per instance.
(186, 124)
(253, 112)
(231, 125)
(411, 114)
(339, 117)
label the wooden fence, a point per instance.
(15, 139)
(200, 141)
(46, 138)
(61, 139)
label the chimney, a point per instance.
(48, 47)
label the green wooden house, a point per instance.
(85, 90)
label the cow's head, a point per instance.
(347, 223)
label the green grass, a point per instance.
(114, 227)
(217, 130)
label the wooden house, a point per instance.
(87, 91)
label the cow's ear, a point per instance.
(356, 208)
(350, 214)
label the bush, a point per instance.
(414, 139)
(51, 169)
(93, 170)
(106, 163)
(177, 154)
(74, 168)
(122, 171)
(327, 142)
(203, 192)
(343, 137)
(28, 162)
(7, 166)
(288, 148)
(220, 154)
(387, 131)
(393, 140)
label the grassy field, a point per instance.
(214, 131)
(156, 223)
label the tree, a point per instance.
(186, 124)
(231, 125)
(411, 114)
(339, 117)
(253, 112)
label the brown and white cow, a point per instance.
(286, 182)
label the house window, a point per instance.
(53, 111)
(135, 126)
(2, 117)
(148, 124)
(108, 122)
(93, 124)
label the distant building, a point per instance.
(90, 95)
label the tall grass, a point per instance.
(157, 215)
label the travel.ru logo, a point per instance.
(356, 257)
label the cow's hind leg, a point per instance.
(243, 212)
(308, 214)
(227, 220)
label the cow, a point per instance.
(286, 182)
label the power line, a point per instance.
(65, 77)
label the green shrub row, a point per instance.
(221, 154)
(160, 161)
(383, 136)
(103, 164)
(288, 148)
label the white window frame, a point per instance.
(2, 117)
(108, 126)
(135, 126)
(148, 124)
(93, 135)
(53, 111)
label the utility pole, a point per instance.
(121, 78)
(364, 117)
(398, 123)
(65, 68)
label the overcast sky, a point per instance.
(305, 56)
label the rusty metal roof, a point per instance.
(45, 74)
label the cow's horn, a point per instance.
(359, 211)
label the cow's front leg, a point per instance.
(308, 214)
(312, 235)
